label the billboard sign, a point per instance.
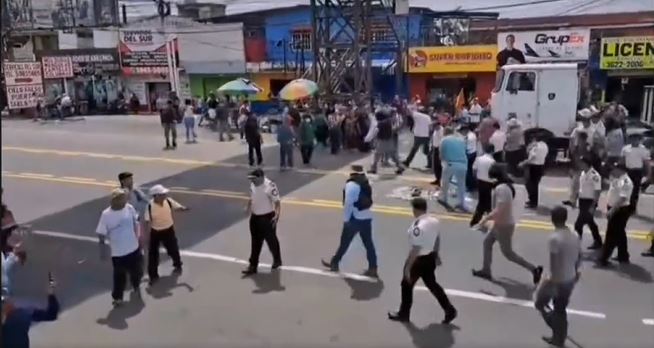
(545, 46)
(88, 61)
(57, 67)
(143, 52)
(23, 14)
(632, 52)
(452, 59)
(24, 84)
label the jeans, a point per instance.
(170, 129)
(130, 264)
(458, 171)
(350, 229)
(306, 150)
(223, 127)
(423, 268)
(557, 318)
(385, 149)
(262, 229)
(169, 240)
(417, 143)
(189, 124)
(504, 235)
(286, 155)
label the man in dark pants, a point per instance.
(485, 184)
(421, 137)
(436, 137)
(619, 211)
(119, 223)
(159, 217)
(424, 242)
(535, 164)
(590, 188)
(253, 138)
(264, 207)
(357, 218)
(170, 115)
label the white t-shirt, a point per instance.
(423, 234)
(421, 124)
(118, 226)
(264, 197)
(635, 157)
(565, 246)
(481, 165)
(620, 188)
(498, 139)
(538, 153)
(589, 182)
(471, 143)
(475, 113)
(436, 137)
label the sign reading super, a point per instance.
(633, 52)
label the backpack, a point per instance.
(364, 201)
(170, 205)
(385, 130)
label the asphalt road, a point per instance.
(56, 178)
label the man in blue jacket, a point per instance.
(16, 321)
(455, 164)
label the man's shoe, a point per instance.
(595, 246)
(396, 316)
(153, 280)
(621, 261)
(551, 342)
(569, 203)
(399, 171)
(275, 265)
(449, 316)
(648, 253)
(371, 272)
(249, 271)
(177, 271)
(537, 273)
(482, 274)
(117, 303)
(329, 265)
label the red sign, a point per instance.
(57, 67)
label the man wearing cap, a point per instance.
(119, 224)
(159, 217)
(618, 213)
(264, 207)
(137, 198)
(357, 218)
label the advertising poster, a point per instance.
(543, 46)
(632, 52)
(451, 59)
(69, 13)
(88, 61)
(57, 67)
(24, 84)
(143, 52)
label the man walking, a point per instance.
(618, 213)
(307, 139)
(264, 208)
(485, 185)
(159, 217)
(590, 188)
(286, 139)
(579, 148)
(471, 152)
(455, 164)
(421, 126)
(253, 138)
(135, 197)
(170, 115)
(357, 218)
(503, 226)
(436, 138)
(119, 223)
(385, 147)
(565, 258)
(535, 164)
(424, 244)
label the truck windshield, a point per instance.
(498, 81)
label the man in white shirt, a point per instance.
(485, 185)
(498, 139)
(636, 159)
(618, 213)
(119, 223)
(424, 243)
(565, 259)
(535, 165)
(421, 135)
(475, 112)
(590, 188)
(264, 207)
(436, 137)
(471, 152)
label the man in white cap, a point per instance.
(119, 223)
(159, 218)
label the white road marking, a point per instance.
(326, 273)
(648, 322)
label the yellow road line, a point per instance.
(387, 210)
(38, 175)
(78, 178)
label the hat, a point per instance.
(585, 113)
(357, 169)
(158, 190)
(124, 175)
(117, 192)
(257, 173)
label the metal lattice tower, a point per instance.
(343, 46)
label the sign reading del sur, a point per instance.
(632, 52)
(449, 59)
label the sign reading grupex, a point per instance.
(144, 52)
(633, 52)
(24, 84)
(552, 46)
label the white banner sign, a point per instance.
(20, 74)
(543, 46)
(57, 67)
(24, 96)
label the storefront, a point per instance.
(95, 82)
(438, 74)
(627, 66)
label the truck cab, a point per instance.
(543, 97)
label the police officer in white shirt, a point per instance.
(590, 188)
(484, 183)
(264, 207)
(424, 241)
(119, 223)
(618, 213)
(535, 164)
(636, 159)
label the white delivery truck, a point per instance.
(543, 97)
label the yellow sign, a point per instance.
(453, 59)
(633, 52)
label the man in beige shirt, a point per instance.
(159, 217)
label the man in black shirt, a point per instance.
(253, 138)
(510, 54)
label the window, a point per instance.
(521, 81)
(301, 39)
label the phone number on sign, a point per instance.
(624, 64)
